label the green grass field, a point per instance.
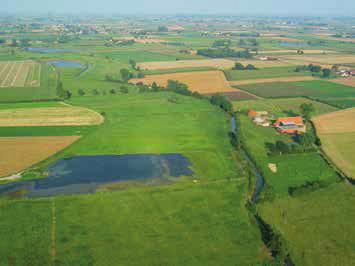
(270, 72)
(318, 227)
(195, 224)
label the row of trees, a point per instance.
(123, 89)
(239, 66)
(325, 72)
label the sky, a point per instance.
(237, 7)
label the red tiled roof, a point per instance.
(295, 119)
(252, 113)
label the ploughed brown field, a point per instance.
(337, 133)
(204, 82)
(19, 153)
(49, 116)
(217, 63)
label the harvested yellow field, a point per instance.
(19, 153)
(337, 133)
(204, 82)
(49, 116)
(270, 80)
(345, 81)
(337, 122)
(19, 74)
(217, 63)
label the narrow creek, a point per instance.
(259, 179)
(265, 229)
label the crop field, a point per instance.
(266, 64)
(317, 227)
(282, 106)
(336, 122)
(215, 63)
(264, 73)
(337, 133)
(305, 51)
(138, 56)
(19, 74)
(40, 84)
(201, 81)
(19, 153)
(271, 80)
(345, 81)
(328, 59)
(48, 116)
(316, 89)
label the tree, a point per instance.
(81, 92)
(13, 43)
(112, 91)
(125, 74)
(95, 92)
(306, 139)
(163, 29)
(132, 63)
(222, 101)
(68, 94)
(238, 66)
(326, 72)
(155, 87)
(250, 67)
(140, 75)
(123, 89)
(306, 110)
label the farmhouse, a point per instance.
(260, 118)
(290, 125)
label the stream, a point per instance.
(265, 229)
(259, 182)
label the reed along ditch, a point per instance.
(272, 240)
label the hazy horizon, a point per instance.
(236, 7)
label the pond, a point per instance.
(84, 174)
(66, 64)
(50, 50)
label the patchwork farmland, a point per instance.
(337, 132)
(29, 151)
(19, 74)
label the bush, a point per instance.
(123, 89)
(81, 92)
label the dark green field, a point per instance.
(315, 89)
